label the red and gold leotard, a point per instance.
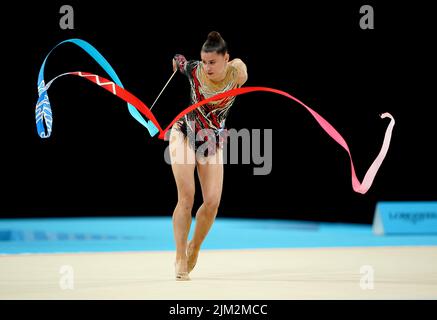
(211, 116)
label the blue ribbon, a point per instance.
(43, 110)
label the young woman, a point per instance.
(201, 129)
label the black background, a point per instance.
(100, 162)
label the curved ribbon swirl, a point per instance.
(359, 187)
(43, 111)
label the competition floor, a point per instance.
(132, 258)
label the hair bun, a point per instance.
(214, 36)
(215, 43)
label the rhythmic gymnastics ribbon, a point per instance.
(359, 187)
(43, 111)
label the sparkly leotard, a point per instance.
(210, 116)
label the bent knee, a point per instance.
(211, 203)
(186, 200)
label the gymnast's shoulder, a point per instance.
(241, 68)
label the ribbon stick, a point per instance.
(163, 89)
(43, 111)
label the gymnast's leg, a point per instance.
(210, 174)
(183, 166)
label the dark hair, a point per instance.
(215, 43)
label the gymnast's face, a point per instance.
(214, 65)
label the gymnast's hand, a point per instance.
(174, 65)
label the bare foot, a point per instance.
(181, 270)
(192, 256)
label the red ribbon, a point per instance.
(360, 187)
